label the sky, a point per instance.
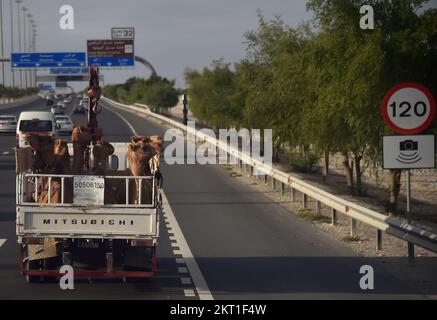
(171, 34)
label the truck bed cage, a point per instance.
(30, 183)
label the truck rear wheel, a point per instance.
(32, 265)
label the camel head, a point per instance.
(43, 147)
(102, 151)
(139, 155)
(81, 135)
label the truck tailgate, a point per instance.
(90, 223)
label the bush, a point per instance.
(158, 93)
(303, 162)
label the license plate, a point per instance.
(88, 245)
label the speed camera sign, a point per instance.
(408, 108)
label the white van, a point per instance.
(34, 122)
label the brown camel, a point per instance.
(51, 156)
(81, 138)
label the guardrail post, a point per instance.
(318, 208)
(305, 201)
(273, 183)
(282, 188)
(293, 195)
(250, 171)
(353, 227)
(240, 163)
(411, 254)
(265, 179)
(334, 217)
(378, 240)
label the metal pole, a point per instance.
(24, 43)
(29, 46)
(185, 109)
(19, 39)
(410, 245)
(12, 41)
(1, 40)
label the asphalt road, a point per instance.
(219, 239)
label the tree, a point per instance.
(213, 95)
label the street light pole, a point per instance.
(2, 52)
(34, 49)
(29, 72)
(12, 41)
(24, 43)
(19, 39)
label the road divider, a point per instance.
(354, 211)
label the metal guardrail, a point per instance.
(356, 212)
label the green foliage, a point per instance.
(9, 92)
(321, 84)
(158, 93)
(304, 161)
(213, 95)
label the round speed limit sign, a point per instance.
(409, 108)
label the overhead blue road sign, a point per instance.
(69, 71)
(48, 60)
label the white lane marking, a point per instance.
(180, 261)
(186, 281)
(125, 121)
(172, 238)
(199, 281)
(183, 270)
(2, 242)
(5, 153)
(189, 293)
(177, 252)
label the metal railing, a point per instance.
(355, 212)
(33, 184)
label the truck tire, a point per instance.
(32, 265)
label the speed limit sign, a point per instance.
(409, 108)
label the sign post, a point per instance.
(409, 109)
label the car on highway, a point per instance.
(84, 102)
(8, 124)
(35, 122)
(80, 108)
(57, 110)
(64, 125)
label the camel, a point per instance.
(139, 155)
(81, 138)
(101, 152)
(51, 156)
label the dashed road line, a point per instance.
(177, 252)
(186, 281)
(189, 293)
(180, 261)
(195, 273)
(182, 270)
(2, 242)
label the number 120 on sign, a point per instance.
(408, 108)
